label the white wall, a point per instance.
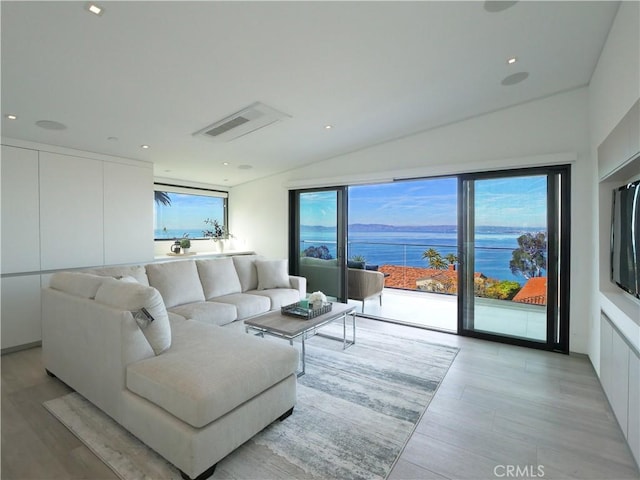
(533, 133)
(614, 88)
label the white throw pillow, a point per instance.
(127, 279)
(134, 297)
(273, 274)
(83, 285)
(136, 271)
(246, 269)
(218, 277)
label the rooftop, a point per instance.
(534, 292)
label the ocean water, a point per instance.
(494, 246)
(171, 234)
(382, 245)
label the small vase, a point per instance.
(220, 243)
(185, 250)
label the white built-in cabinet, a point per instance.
(633, 434)
(62, 210)
(20, 210)
(620, 379)
(128, 213)
(71, 211)
(21, 320)
(20, 301)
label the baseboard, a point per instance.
(17, 348)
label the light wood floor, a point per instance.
(500, 409)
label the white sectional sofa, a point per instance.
(189, 384)
(218, 291)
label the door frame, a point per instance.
(558, 250)
(342, 198)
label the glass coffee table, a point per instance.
(290, 328)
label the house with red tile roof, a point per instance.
(425, 279)
(534, 292)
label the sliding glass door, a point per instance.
(317, 248)
(514, 249)
(509, 269)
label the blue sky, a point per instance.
(514, 201)
(188, 212)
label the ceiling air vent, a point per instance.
(255, 116)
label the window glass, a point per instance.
(178, 214)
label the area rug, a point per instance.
(356, 410)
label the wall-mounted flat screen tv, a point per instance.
(625, 238)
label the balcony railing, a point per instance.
(407, 269)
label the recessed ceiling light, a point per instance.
(12, 116)
(328, 127)
(245, 167)
(144, 146)
(112, 139)
(95, 9)
(512, 60)
(225, 163)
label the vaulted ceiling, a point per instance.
(153, 73)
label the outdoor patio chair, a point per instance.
(365, 284)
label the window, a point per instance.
(184, 211)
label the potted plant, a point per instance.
(218, 233)
(357, 261)
(185, 244)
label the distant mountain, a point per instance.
(381, 227)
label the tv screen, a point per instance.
(625, 238)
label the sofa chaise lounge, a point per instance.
(186, 386)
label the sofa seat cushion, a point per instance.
(175, 318)
(209, 371)
(279, 296)
(247, 305)
(178, 282)
(213, 313)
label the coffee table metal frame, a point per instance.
(290, 328)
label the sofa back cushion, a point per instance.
(178, 282)
(247, 273)
(79, 284)
(218, 277)
(135, 297)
